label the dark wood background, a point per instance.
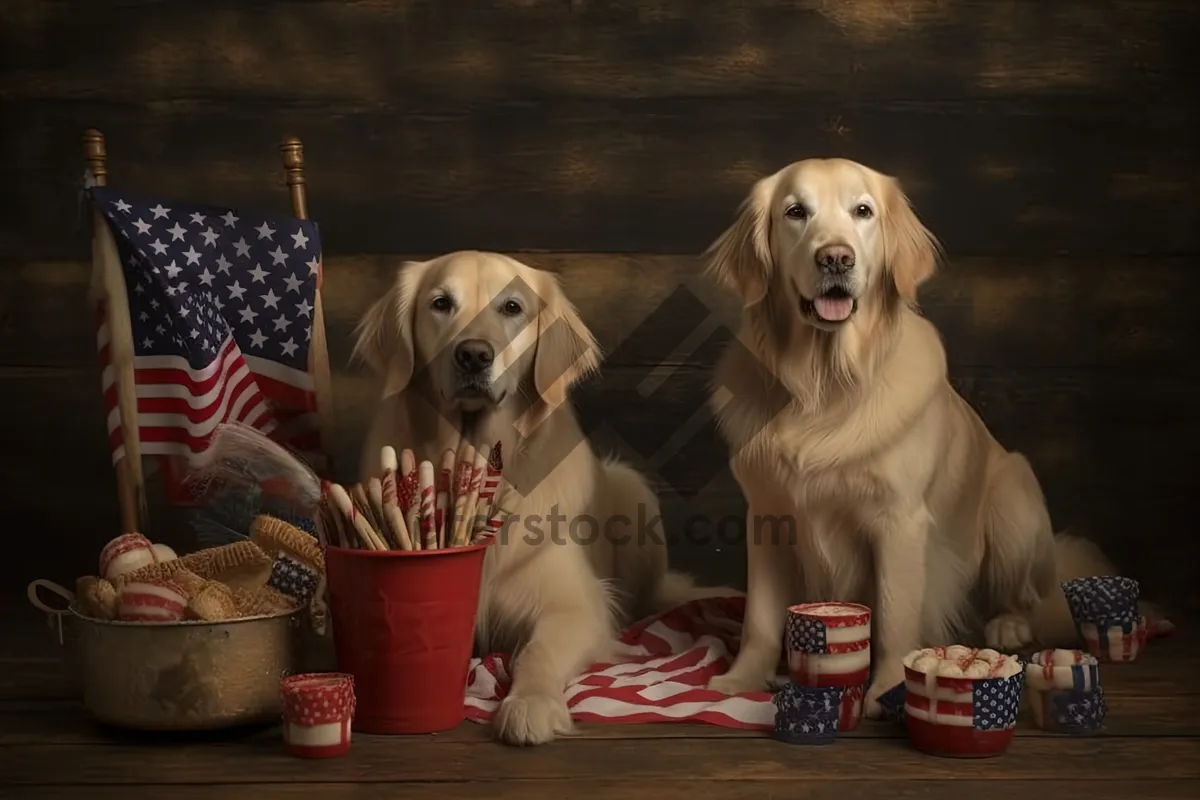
(1051, 145)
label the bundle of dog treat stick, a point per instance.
(418, 506)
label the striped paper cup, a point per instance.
(1064, 691)
(960, 717)
(829, 644)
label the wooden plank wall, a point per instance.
(1052, 146)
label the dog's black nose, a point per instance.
(474, 355)
(835, 258)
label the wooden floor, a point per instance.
(50, 749)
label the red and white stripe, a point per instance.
(151, 601)
(668, 661)
(1112, 644)
(939, 700)
(847, 657)
(124, 554)
(179, 408)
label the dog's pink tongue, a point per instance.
(833, 309)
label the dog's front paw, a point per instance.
(885, 680)
(735, 683)
(533, 718)
(1008, 632)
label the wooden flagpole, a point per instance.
(292, 152)
(108, 284)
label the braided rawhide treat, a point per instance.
(274, 535)
(189, 582)
(262, 601)
(97, 597)
(241, 563)
(213, 603)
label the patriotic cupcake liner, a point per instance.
(318, 709)
(829, 644)
(807, 714)
(1103, 600)
(1064, 692)
(961, 717)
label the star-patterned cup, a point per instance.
(807, 714)
(1105, 611)
(1064, 692)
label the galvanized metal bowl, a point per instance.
(184, 676)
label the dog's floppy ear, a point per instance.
(740, 258)
(567, 351)
(911, 251)
(383, 337)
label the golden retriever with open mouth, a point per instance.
(842, 424)
(479, 346)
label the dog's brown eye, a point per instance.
(863, 211)
(441, 303)
(511, 308)
(795, 211)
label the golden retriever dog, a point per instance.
(481, 347)
(867, 477)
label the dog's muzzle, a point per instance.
(473, 359)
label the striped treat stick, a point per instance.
(496, 522)
(408, 489)
(358, 493)
(391, 499)
(426, 503)
(442, 507)
(489, 507)
(462, 532)
(344, 504)
(322, 524)
(492, 480)
(341, 536)
(462, 484)
(375, 497)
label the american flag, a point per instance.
(221, 310)
(661, 677)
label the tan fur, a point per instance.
(900, 497)
(554, 600)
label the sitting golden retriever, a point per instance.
(842, 425)
(479, 346)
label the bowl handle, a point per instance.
(54, 615)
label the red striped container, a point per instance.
(318, 709)
(960, 717)
(829, 644)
